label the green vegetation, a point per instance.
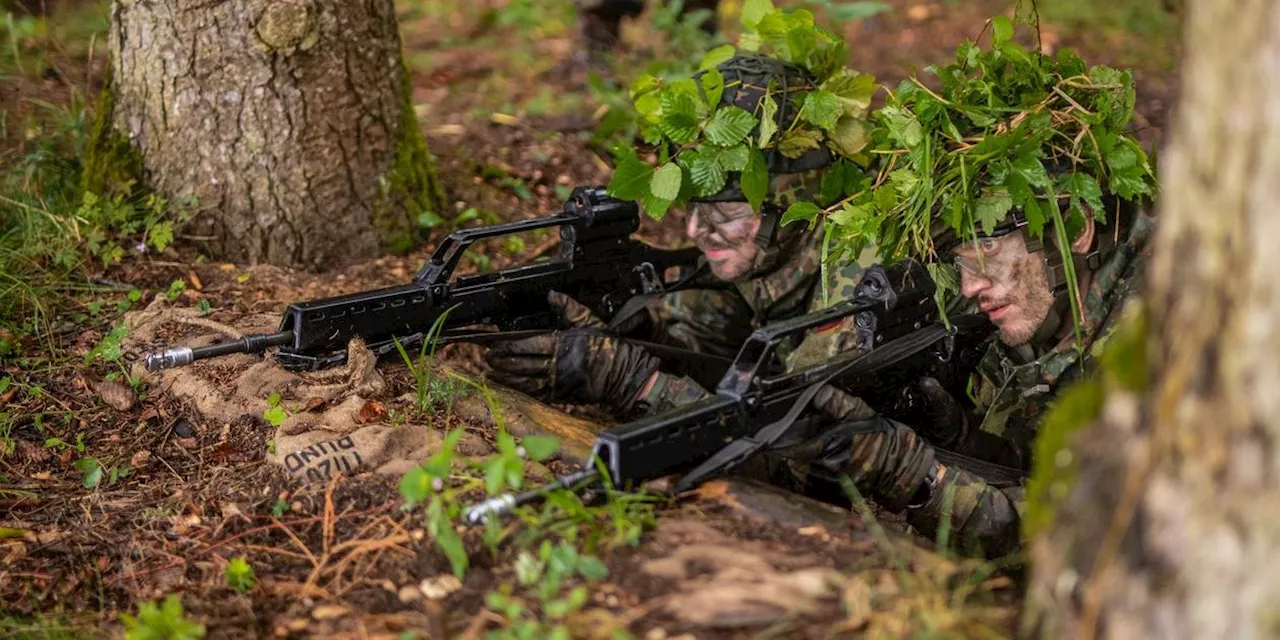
(161, 622)
(700, 141)
(239, 574)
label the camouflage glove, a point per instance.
(984, 518)
(577, 366)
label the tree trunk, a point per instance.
(289, 120)
(1170, 531)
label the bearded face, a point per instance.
(725, 232)
(1010, 284)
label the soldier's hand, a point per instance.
(576, 366)
(572, 312)
(841, 405)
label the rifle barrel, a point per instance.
(251, 343)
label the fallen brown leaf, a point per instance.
(313, 403)
(116, 395)
(371, 411)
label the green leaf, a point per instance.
(679, 120)
(708, 175)
(733, 158)
(160, 236)
(591, 568)
(656, 207)
(275, 416)
(797, 142)
(540, 448)
(822, 108)
(990, 210)
(92, 470)
(631, 179)
(415, 486)
(805, 211)
(494, 475)
(853, 11)
(854, 91)
(850, 136)
(1001, 30)
(768, 120)
(451, 544)
(903, 126)
(755, 179)
(1084, 187)
(649, 107)
(755, 10)
(716, 56)
(643, 83)
(713, 85)
(666, 181)
(729, 125)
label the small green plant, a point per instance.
(430, 483)
(55, 442)
(161, 622)
(280, 506)
(430, 389)
(176, 289)
(92, 471)
(239, 574)
(275, 414)
(545, 574)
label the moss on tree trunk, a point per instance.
(291, 123)
(1169, 530)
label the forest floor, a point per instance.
(509, 108)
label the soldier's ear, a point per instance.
(1084, 239)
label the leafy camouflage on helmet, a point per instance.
(745, 117)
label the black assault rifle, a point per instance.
(599, 265)
(900, 339)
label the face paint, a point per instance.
(725, 232)
(1010, 284)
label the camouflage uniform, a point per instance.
(719, 321)
(889, 462)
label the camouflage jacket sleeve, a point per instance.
(668, 392)
(714, 321)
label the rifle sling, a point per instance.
(739, 450)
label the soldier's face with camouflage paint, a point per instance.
(1010, 284)
(725, 232)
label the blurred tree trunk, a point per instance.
(289, 120)
(1172, 529)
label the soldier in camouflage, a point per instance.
(759, 272)
(1019, 284)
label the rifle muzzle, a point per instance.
(169, 358)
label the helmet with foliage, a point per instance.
(781, 102)
(1012, 139)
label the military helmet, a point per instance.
(747, 80)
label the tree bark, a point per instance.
(289, 120)
(1170, 531)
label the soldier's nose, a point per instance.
(972, 284)
(693, 228)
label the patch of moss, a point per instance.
(112, 166)
(411, 188)
(1123, 366)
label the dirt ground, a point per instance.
(512, 131)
